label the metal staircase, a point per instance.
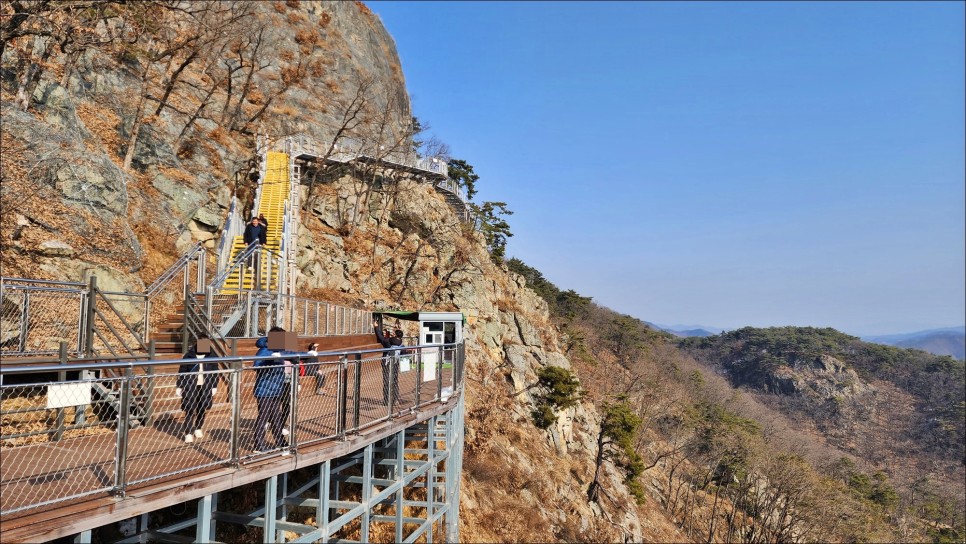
(272, 203)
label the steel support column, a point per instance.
(205, 530)
(271, 507)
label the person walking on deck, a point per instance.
(271, 392)
(196, 385)
(390, 362)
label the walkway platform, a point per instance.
(159, 469)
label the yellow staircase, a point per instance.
(274, 194)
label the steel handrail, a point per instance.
(239, 260)
(351, 149)
(232, 228)
(83, 287)
(120, 365)
(173, 270)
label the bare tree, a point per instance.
(39, 30)
(352, 108)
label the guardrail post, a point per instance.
(89, 316)
(293, 405)
(342, 396)
(146, 326)
(235, 392)
(418, 366)
(393, 382)
(257, 278)
(188, 311)
(248, 315)
(149, 403)
(123, 421)
(458, 370)
(357, 391)
(185, 281)
(58, 431)
(439, 373)
(202, 272)
(24, 321)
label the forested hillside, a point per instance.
(838, 381)
(720, 441)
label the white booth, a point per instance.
(436, 329)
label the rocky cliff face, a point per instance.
(73, 208)
(520, 482)
(65, 187)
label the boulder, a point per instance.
(55, 248)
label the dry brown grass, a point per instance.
(104, 123)
(38, 419)
(50, 218)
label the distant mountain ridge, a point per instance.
(687, 331)
(838, 382)
(947, 341)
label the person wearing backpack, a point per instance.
(390, 362)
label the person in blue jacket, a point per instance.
(271, 393)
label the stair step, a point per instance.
(166, 337)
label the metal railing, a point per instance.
(453, 188)
(314, 318)
(234, 226)
(197, 323)
(36, 316)
(164, 295)
(350, 149)
(99, 448)
(240, 310)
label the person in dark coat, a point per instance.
(197, 384)
(390, 362)
(255, 232)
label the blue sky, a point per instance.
(724, 164)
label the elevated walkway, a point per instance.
(110, 471)
(102, 438)
(433, 169)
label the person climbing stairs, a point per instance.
(274, 191)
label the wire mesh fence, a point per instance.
(114, 426)
(58, 442)
(318, 402)
(173, 442)
(35, 317)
